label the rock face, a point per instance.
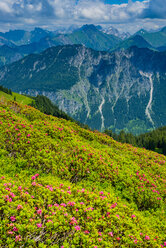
(119, 90)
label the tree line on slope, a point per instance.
(154, 140)
(5, 90)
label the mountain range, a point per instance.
(135, 40)
(112, 30)
(22, 37)
(17, 44)
(118, 90)
(156, 39)
(39, 40)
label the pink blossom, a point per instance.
(71, 203)
(63, 204)
(133, 216)
(77, 228)
(12, 194)
(10, 232)
(147, 237)
(15, 229)
(8, 189)
(13, 218)
(39, 211)
(73, 221)
(19, 207)
(18, 238)
(110, 234)
(28, 135)
(164, 243)
(39, 225)
(113, 205)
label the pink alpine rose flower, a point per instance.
(77, 228)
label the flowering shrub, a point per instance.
(63, 186)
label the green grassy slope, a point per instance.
(19, 98)
(64, 186)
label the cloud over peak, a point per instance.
(27, 13)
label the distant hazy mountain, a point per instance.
(4, 41)
(119, 90)
(88, 35)
(155, 39)
(114, 31)
(136, 40)
(22, 37)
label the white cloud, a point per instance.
(62, 8)
(34, 7)
(98, 11)
(156, 9)
(65, 12)
(5, 7)
(29, 21)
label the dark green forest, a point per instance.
(154, 140)
(6, 90)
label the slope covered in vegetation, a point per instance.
(64, 186)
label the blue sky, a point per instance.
(130, 15)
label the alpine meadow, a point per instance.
(82, 124)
